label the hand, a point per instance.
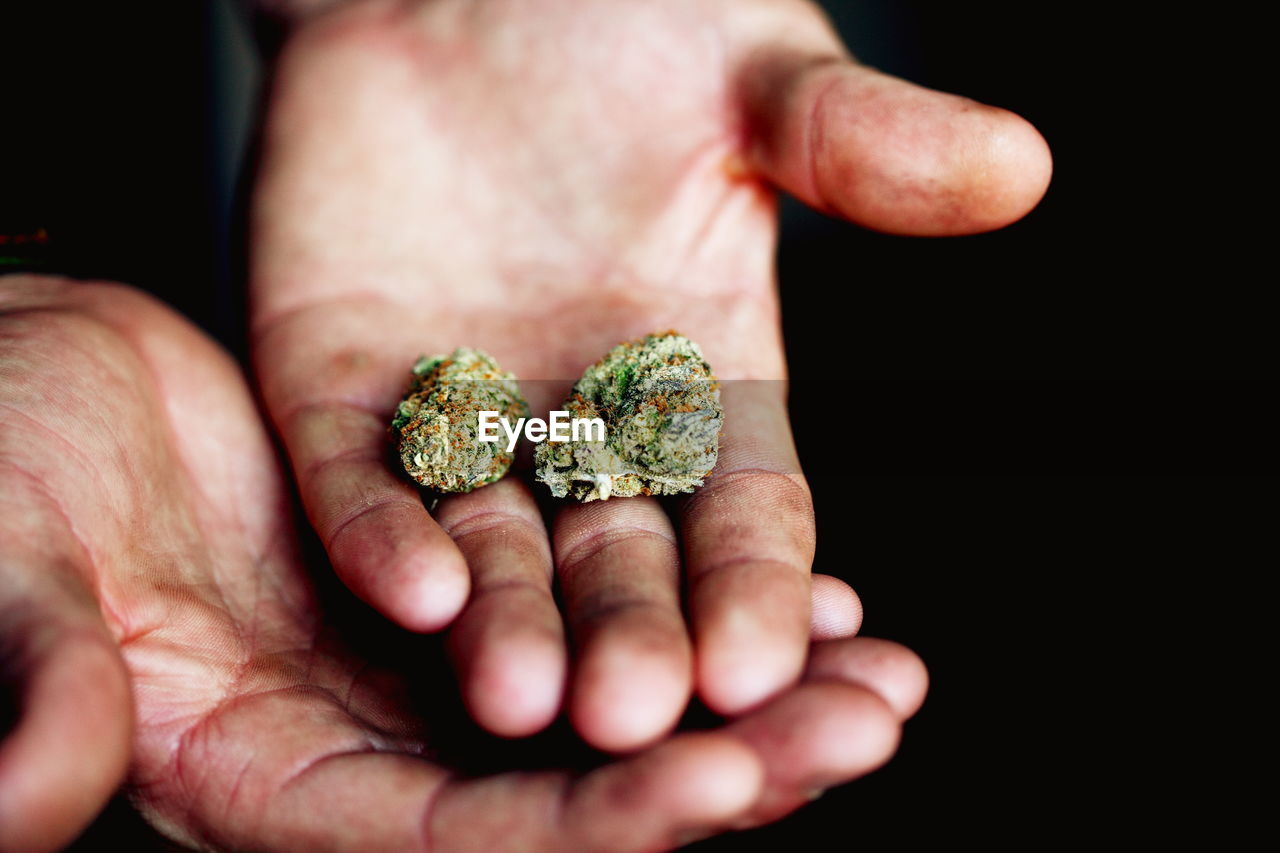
(155, 610)
(541, 185)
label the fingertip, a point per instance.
(398, 560)
(382, 542)
(836, 610)
(893, 156)
(734, 681)
(752, 634)
(903, 159)
(514, 689)
(508, 644)
(633, 682)
(892, 671)
(435, 593)
(878, 734)
(1006, 174)
(682, 790)
(632, 721)
(813, 738)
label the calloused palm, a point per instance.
(155, 612)
(543, 180)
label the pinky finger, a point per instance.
(836, 610)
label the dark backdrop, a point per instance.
(1060, 446)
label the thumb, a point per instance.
(882, 152)
(65, 706)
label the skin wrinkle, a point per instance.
(778, 484)
(359, 453)
(815, 139)
(392, 500)
(507, 585)
(407, 736)
(429, 812)
(600, 540)
(315, 761)
(493, 520)
(241, 653)
(199, 726)
(603, 605)
(234, 791)
(351, 686)
(189, 795)
(205, 726)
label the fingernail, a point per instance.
(814, 793)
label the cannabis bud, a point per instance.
(661, 407)
(437, 421)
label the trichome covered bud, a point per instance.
(660, 404)
(437, 423)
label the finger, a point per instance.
(69, 746)
(686, 788)
(813, 738)
(749, 541)
(882, 152)
(298, 774)
(618, 568)
(382, 541)
(893, 672)
(837, 610)
(508, 644)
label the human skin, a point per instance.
(158, 620)
(542, 183)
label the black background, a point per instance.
(1060, 448)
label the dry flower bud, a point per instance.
(437, 422)
(661, 407)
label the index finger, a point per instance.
(331, 406)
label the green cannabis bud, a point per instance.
(660, 404)
(437, 423)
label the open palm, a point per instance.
(542, 181)
(155, 613)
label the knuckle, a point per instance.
(599, 543)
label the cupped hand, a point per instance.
(156, 614)
(542, 182)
